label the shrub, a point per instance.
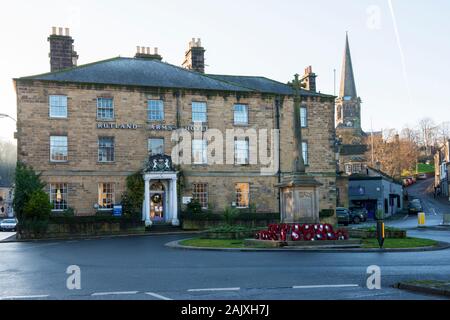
(26, 183)
(133, 197)
(38, 207)
(230, 215)
(326, 213)
(194, 207)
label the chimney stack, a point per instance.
(194, 58)
(145, 53)
(309, 79)
(62, 53)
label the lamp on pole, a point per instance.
(4, 115)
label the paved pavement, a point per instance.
(143, 268)
(6, 235)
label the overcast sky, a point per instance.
(400, 56)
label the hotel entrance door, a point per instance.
(157, 201)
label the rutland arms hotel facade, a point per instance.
(86, 128)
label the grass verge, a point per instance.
(399, 243)
(213, 243)
(367, 243)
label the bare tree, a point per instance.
(8, 158)
(394, 153)
(443, 132)
(428, 134)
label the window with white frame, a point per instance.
(155, 110)
(199, 151)
(58, 196)
(240, 114)
(304, 117)
(58, 106)
(200, 193)
(106, 196)
(242, 195)
(58, 149)
(241, 151)
(105, 109)
(357, 168)
(106, 149)
(199, 112)
(348, 169)
(155, 146)
(305, 152)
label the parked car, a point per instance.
(358, 215)
(8, 225)
(343, 216)
(415, 206)
(422, 176)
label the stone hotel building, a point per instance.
(86, 128)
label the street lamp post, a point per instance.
(4, 115)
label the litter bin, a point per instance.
(421, 218)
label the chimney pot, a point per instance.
(62, 51)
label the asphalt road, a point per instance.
(143, 268)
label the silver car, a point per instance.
(8, 225)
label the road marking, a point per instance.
(157, 296)
(214, 289)
(114, 293)
(326, 286)
(24, 297)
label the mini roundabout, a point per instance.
(304, 237)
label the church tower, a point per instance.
(348, 104)
(353, 148)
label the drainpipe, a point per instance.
(277, 126)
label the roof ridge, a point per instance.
(72, 68)
(205, 75)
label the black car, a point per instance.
(358, 215)
(343, 216)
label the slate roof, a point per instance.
(158, 74)
(262, 84)
(353, 149)
(137, 72)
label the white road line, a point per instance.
(326, 286)
(214, 289)
(157, 296)
(114, 293)
(24, 297)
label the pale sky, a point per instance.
(399, 83)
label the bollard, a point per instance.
(421, 218)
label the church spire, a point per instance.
(348, 87)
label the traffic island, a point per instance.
(434, 287)
(348, 246)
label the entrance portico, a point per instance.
(160, 190)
